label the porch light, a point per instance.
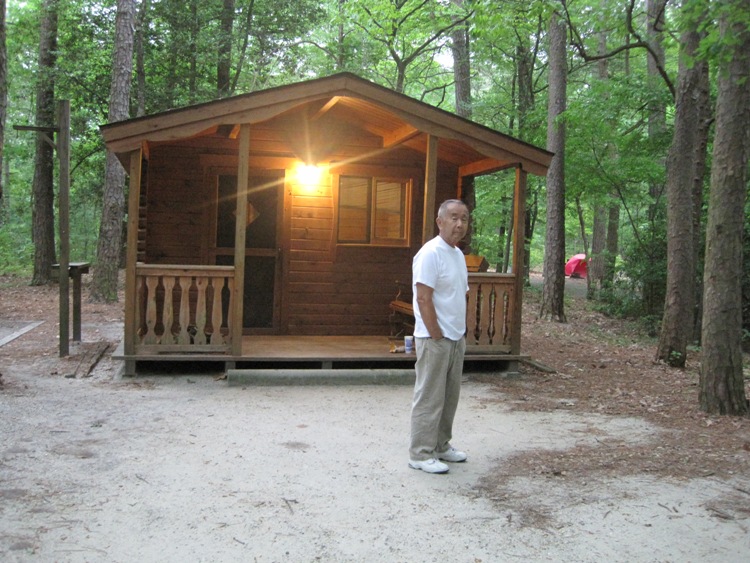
(309, 175)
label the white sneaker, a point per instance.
(429, 465)
(453, 455)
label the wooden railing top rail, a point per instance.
(490, 275)
(171, 270)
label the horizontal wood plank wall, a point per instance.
(176, 209)
(328, 289)
(345, 289)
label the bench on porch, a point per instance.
(402, 312)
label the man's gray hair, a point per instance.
(444, 206)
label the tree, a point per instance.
(3, 93)
(140, 56)
(224, 45)
(554, 251)
(43, 215)
(638, 165)
(679, 306)
(104, 282)
(597, 261)
(402, 28)
(460, 48)
(722, 388)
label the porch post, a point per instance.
(430, 187)
(131, 257)
(243, 172)
(519, 222)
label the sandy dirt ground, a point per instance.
(607, 458)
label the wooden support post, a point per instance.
(519, 236)
(243, 171)
(430, 189)
(131, 257)
(63, 155)
(77, 269)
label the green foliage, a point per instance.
(745, 282)
(492, 216)
(611, 157)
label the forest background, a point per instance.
(645, 104)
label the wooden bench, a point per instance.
(402, 313)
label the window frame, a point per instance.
(373, 240)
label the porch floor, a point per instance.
(322, 352)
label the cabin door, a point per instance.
(262, 264)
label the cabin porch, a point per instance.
(182, 314)
(273, 352)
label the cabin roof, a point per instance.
(396, 118)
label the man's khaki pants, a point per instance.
(439, 368)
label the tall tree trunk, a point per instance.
(460, 48)
(3, 96)
(679, 306)
(43, 213)
(554, 249)
(224, 45)
(653, 287)
(104, 282)
(613, 245)
(140, 57)
(703, 126)
(525, 78)
(582, 225)
(722, 388)
(340, 45)
(194, 27)
(596, 263)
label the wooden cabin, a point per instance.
(276, 226)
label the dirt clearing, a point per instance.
(608, 458)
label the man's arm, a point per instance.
(427, 311)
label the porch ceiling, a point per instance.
(395, 119)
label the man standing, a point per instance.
(439, 283)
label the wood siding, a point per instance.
(326, 288)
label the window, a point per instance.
(373, 211)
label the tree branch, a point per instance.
(578, 44)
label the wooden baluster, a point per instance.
(484, 336)
(471, 314)
(506, 316)
(150, 337)
(200, 311)
(139, 321)
(230, 287)
(168, 316)
(216, 337)
(184, 336)
(491, 310)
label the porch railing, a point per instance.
(183, 309)
(489, 312)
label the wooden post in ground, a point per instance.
(63, 155)
(519, 213)
(131, 259)
(243, 172)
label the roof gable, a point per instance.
(396, 118)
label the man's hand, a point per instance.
(427, 311)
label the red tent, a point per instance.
(576, 266)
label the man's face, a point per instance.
(454, 223)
